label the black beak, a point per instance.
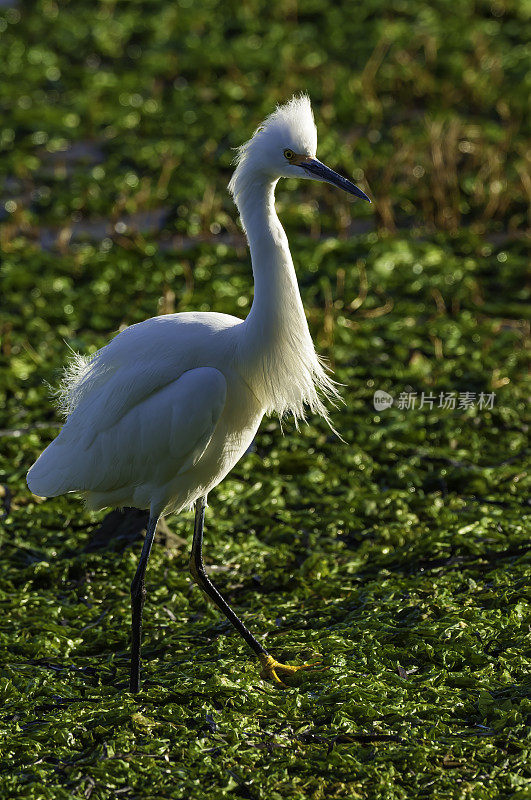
(321, 172)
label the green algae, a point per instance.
(399, 557)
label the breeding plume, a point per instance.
(160, 415)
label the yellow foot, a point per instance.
(275, 671)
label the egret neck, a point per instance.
(277, 356)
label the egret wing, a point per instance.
(138, 362)
(163, 434)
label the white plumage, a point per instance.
(147, 408)
(160, 415)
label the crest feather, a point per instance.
(291, 123)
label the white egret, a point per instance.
(158, 417)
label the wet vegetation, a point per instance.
(400, 556)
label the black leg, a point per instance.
(138, 595)
(198, 572)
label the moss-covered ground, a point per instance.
(400, 556)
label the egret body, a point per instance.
(158, 417)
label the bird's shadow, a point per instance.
(121, 528)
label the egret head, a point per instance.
(284, 146)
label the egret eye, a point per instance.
(289, 154)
